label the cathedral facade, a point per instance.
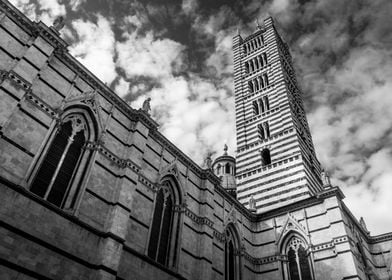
(90, 189)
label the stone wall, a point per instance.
(105, 233)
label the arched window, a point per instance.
(227, 168)
(298, 262)
(265, 157)
(261, 82)
(256, 63)
(261, 105)
(265, 58)
(232, 257)
(57, 170)
(260, 131)
(266, 129)
(250, 85)
(266, 82)
(256, 84)
(261, 62)
(255, 108)
(246, 67)
(165, 225)
(266, 102)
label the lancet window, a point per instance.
(298, 260)
(165, 225)
(57, 170)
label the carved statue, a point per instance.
(209, 161)
(58, 23)
(325, 178)
(225, 149)
(252, 204)
(146, 105)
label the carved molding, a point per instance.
(41, 105)
(197, 219)
(153, 187)
(265, 260)
(17, 80)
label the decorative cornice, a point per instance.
(41, 105)
(20, 18)
(219, 236)
(380, 238)
(16, 79)
(330, 245)
(265, 260)
(197, 219)
(153, 187)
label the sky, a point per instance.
(179, 53)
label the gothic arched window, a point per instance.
(260, 131)
(165, 226)
(266, 82)
(298, 262)
(266, 102)
(261, 81)
(250, 85)
(232, 257)
(57, 170)
(255, 108)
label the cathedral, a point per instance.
(91, 189)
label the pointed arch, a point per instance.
(232, 253)
(165, 223)
(296, 249)
(60, 170)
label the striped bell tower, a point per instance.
(276, 163)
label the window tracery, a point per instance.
(57, 170)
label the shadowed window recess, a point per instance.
(298, 260)
(58, 168)
(232, 254)
(165, 225)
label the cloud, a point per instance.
(146, 55)
(26, 7)
(95, 47)
(75, 4)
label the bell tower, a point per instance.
(276, 163)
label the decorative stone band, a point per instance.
(265, 260)
(41, 105)
(197, 219)
(330, 245)
(122, 163)
(15, 78)
(219, 236)
(153, 187)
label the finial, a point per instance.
(146, 105)
(225, 150)
(58, 23)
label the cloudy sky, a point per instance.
(179, 53)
